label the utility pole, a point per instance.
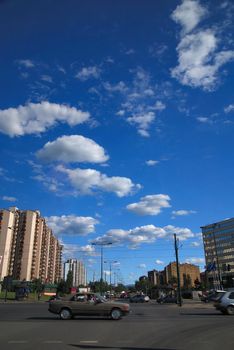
(179, 299)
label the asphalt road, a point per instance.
(149, 326)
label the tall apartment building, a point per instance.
(218, 239)
(28, 249)
(78, 271)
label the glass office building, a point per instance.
(218, 239)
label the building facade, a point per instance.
(28, 249)
(189, 273)
(78, 272)
(218, 239)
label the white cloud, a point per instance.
(188, 15)
(183, 212)
(71, 251)
(26, 63)
(152, 162)
(73, 148)
(144, 234)
(86, 73)
(195, 244)
(196, 261)
(229, 108)
(119, 87)
(159, 262)
(204, 120)
(142, 266)
(47, 78)
(199, 60)
(36, 118)
(71, 224)
(159, 106)
(88, 181)
(142, 122)
(9, 199)
(150, 205)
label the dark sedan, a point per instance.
(88, 304)
(167, 299)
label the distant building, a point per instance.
(156, 277)
(28, 249)
(78, 272)
(218, 239)
(189, 273)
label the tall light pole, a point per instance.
(179, 298)
(110, 262)
(101, 244)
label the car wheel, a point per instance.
(116, 314)
(65, 314)
(230, 310)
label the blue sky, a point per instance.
(116, 122)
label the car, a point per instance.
(139, 298)
(88, 304)
(167, 299)
(212, 296)
(225, 302)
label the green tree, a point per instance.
(62, 287)
(69, 281)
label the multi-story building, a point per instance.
(28, 249)
(218, 239)
(157, 278)
(189, 273)
(78, 272)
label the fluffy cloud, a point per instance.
(74, 250)
(229, 108)
(198, 55)
(143, 234)
(142, 266)
(150, 205)
(71, 224)
(26, 63)
(152, 162)
(87, 181)
(159, 262)
(197, 261)
(119, 87)
(9, 199)
(142, 122)
(86, 73)
(183, 212)
(195, 244)
(36, 118)
(73, 148)
(188, 14)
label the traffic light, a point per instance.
(229, 267)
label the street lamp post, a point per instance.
(101, 244)
(110, 269)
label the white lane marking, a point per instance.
(17, 341)
(89, 341)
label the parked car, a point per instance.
(88, 304)
(167, 299)
(139, 299)
(225, 303)
(212, 296)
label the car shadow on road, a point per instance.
(115, 347)
(76, 318)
